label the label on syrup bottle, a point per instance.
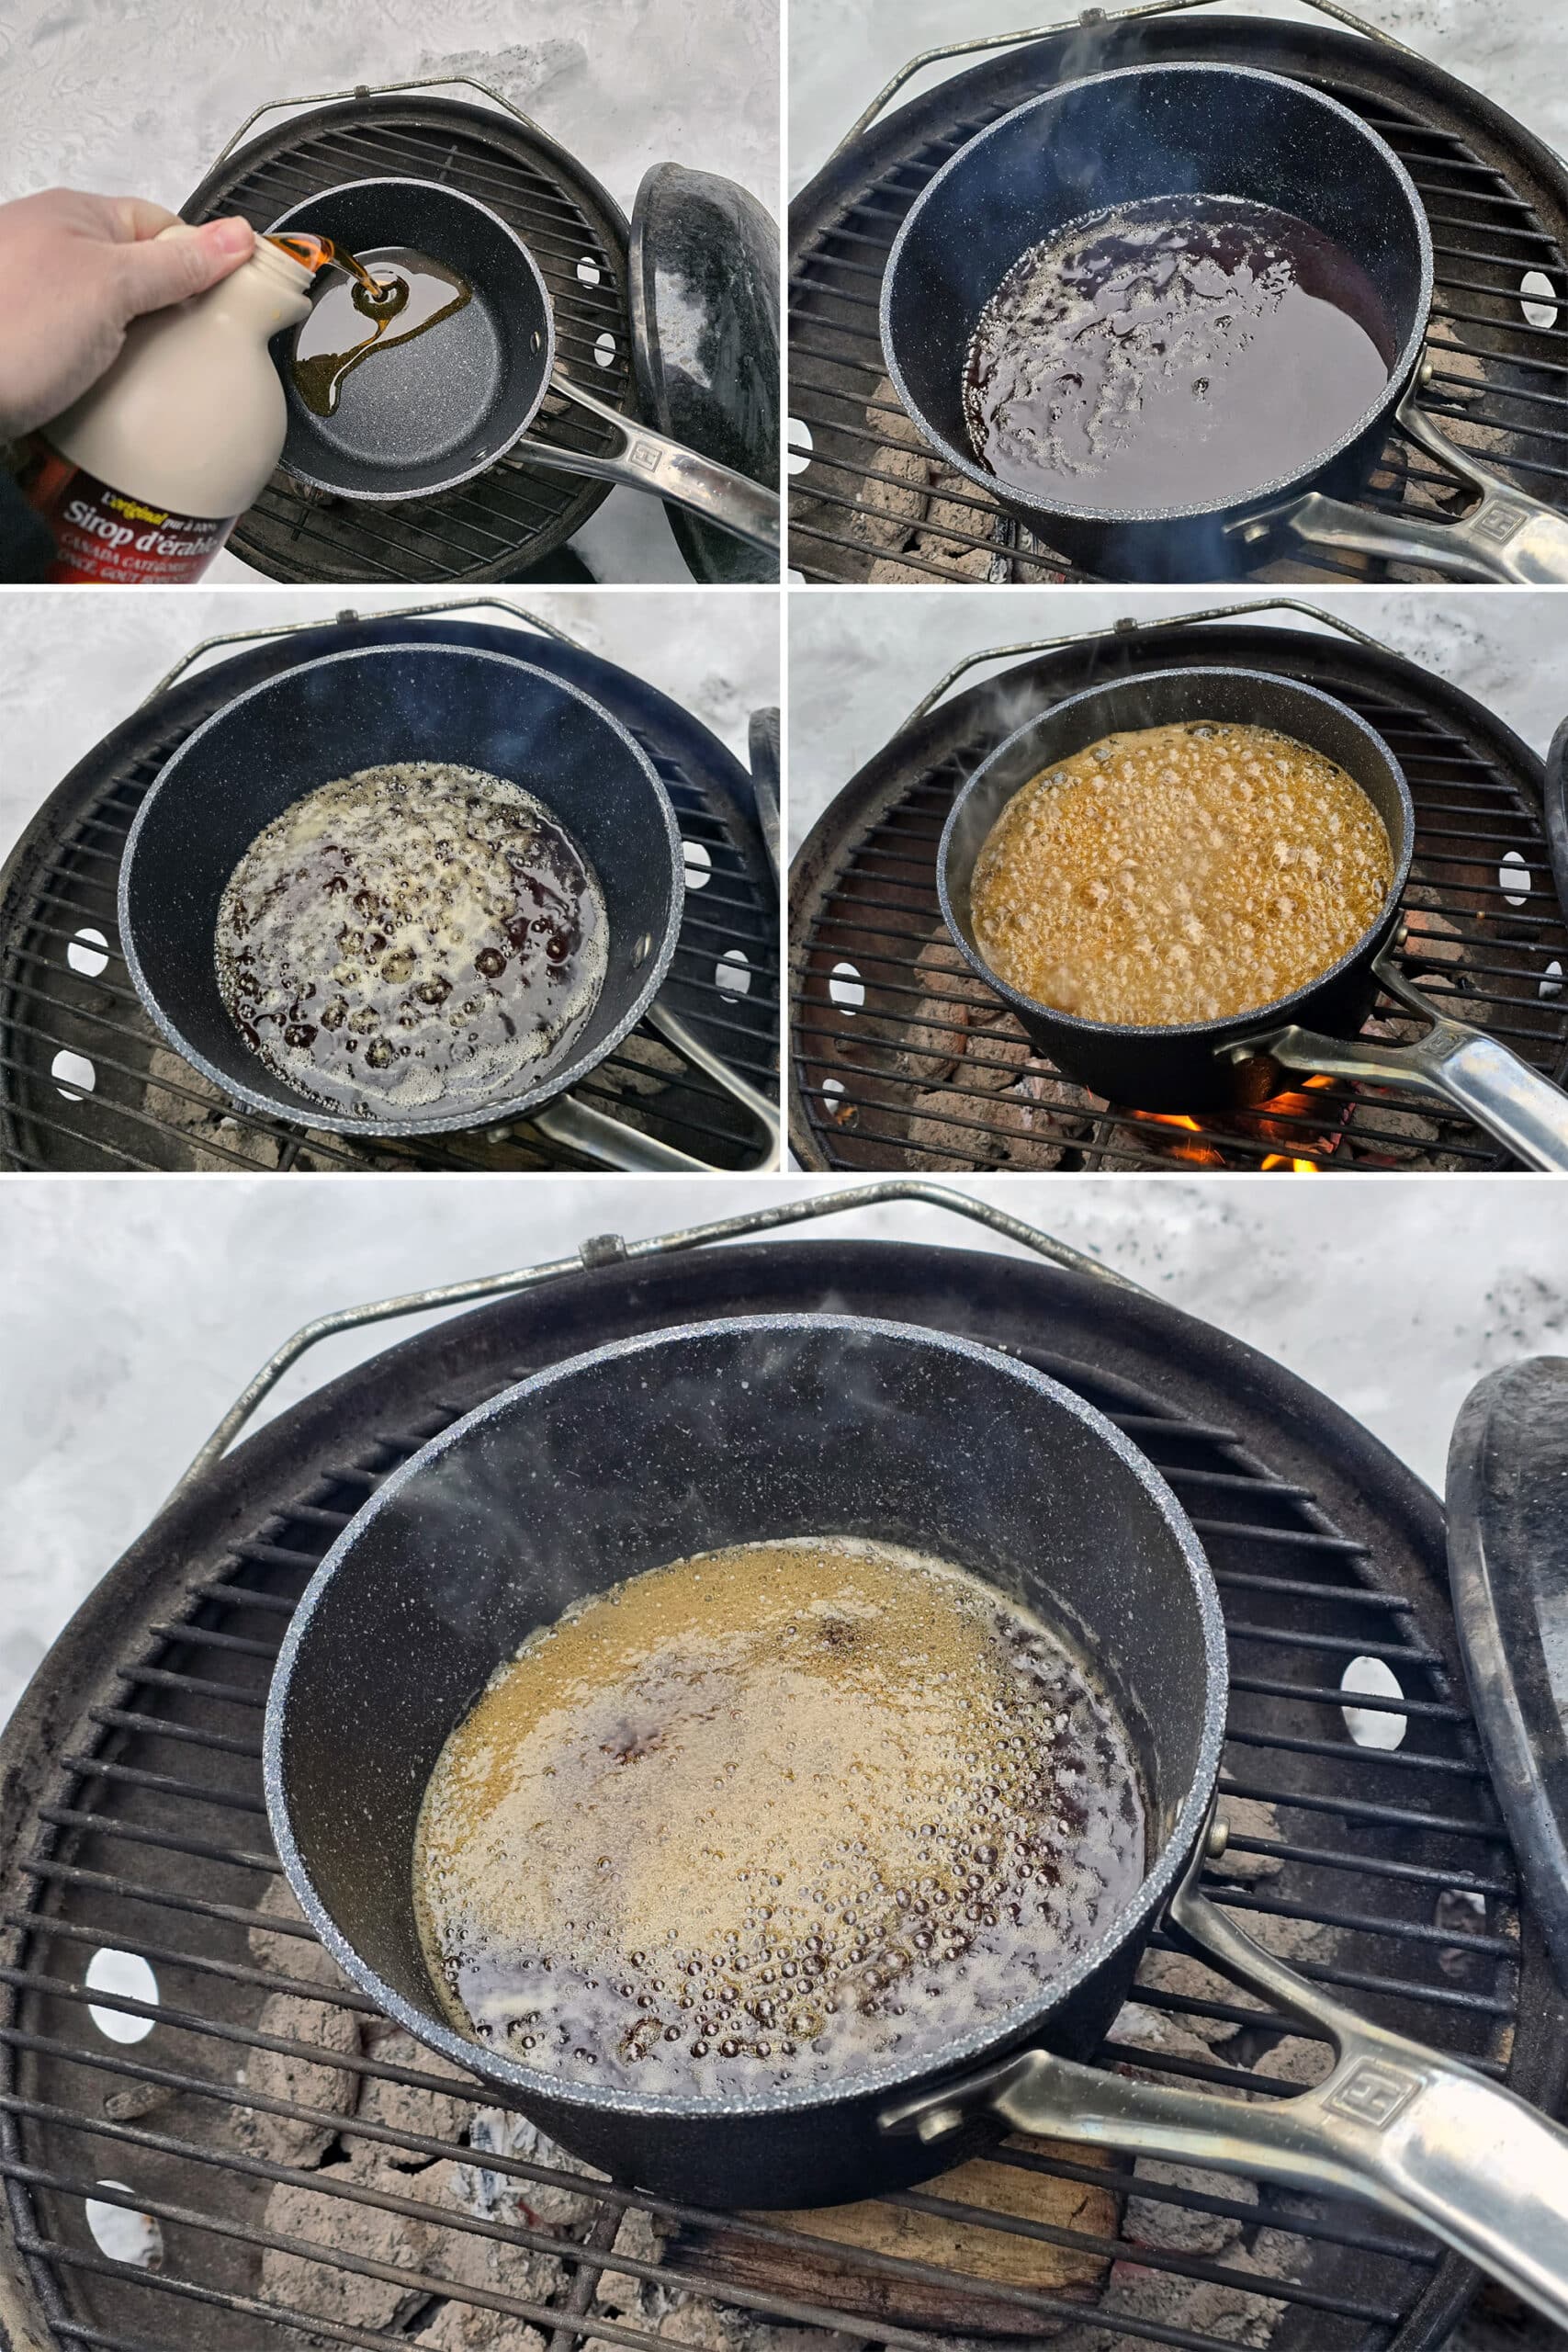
(102, 534)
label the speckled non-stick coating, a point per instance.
(1184, 1067)
(443, 406)
(369, 709)
(1112, 138)
(688, 1440)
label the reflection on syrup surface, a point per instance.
(772, 1815)
(1173, 353)
(395, 295)
(409, 936)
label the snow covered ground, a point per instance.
(135, 1309)
(60, 692)
(1515, 51)
(138, 97)
(860, 658)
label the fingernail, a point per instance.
(230, 236)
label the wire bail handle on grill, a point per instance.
(384, 90)
(346, 618)
(769, 1219)
(1088, 19)
(1418, 2133)
(1460, 1065)
(1506, 536)
(1130, 628)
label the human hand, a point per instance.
(74, 271)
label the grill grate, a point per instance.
(869, 504)
(902, 1058)
(87, 1083)
(503, 521)
(1380, 1872)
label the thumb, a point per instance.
(181, 261)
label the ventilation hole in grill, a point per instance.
(127, 1974)
(1372, 1678)
(847, 989)
(604, 350)
(588, 270)
(1514, 875)
(78, 1070)
(85, 952)
(1458, 1912)
(124, 2235)
(1535, 285)
(798, 456)
(732, 973)
(698, 864)
(1550, 980)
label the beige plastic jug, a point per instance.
(142, 480)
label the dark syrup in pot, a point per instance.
(1178, 351)
(410, 937)
(394, 294)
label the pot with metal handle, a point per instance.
(1247, 1058)
(463, 396)
(691, 1440)
(1421, 2135)
(1140, 133)
(376, 706)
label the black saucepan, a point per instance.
(643, 1453)
(1218, 1065)
(1145, 131)
(384, 703)
(446, 404)
(725, 1432)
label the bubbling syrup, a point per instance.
(1176, 874)
(1177, 352)
(772, 1816)
(409, 935)
(395, 295)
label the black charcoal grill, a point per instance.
(87, 1084)
(867, 500)
(901, 1057)
(293, 2173)
(509, 519)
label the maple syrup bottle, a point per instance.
(144, 477)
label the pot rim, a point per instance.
(476, 1114)
(1011, 2027)
(1265, 1016)
(1401, 369)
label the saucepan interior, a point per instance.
(381, 706)
(1115, 139)
(439, 407)
(688, 1441)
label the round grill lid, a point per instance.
(705, 316)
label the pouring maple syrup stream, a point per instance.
(408, 288)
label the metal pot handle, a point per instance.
(1088, 19)
(1506, 536)
(648, 460)
(380, 90)
(1421, 2135)
(1463, 1065)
